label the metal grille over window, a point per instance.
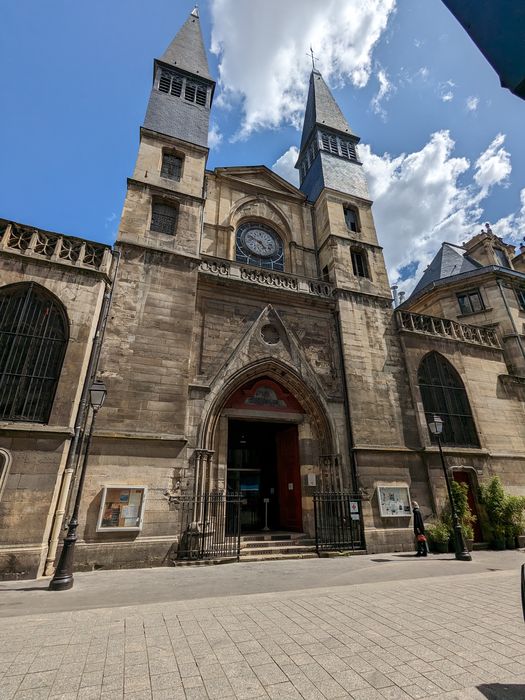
(170, 83)
(443, 394)
(164, 218)
(33, 338)
(359, 264)
(171, 166)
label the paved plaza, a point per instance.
(383, 626)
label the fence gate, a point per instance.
(210, 526)
(338, 521)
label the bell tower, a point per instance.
(332, 177)
(164, 202)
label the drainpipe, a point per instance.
(518, 336)
(81, 416)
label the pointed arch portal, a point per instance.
(268, 437)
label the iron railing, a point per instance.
(210, 526)
(338, 521)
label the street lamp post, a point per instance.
(63, 577)
(460, 547)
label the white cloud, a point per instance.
(445, 91)
(214, 136)
(472, 103)
(284, 166)
(262, 46)
(493, 166)
(383, 94)
(422, 199)
(512, 227)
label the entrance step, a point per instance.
(263, 546)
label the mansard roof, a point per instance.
(450, 260)
(187, 51)
(322, 109)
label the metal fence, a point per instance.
(210, 526)
(338, 521)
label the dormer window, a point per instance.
(171, 166)
(501, 257)
(470, 302)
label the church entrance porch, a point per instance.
(263, 466)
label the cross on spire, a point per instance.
(312, 56)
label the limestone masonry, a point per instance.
(250, 345)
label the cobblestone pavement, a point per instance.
(458, 636)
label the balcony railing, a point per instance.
(54, 247)
(445, 328)
(267, 278)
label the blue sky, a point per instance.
(442, 140)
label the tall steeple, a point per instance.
(328, 156)
(182, 93)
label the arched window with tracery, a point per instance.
(33, 339)
(258, 244)
(443, 394)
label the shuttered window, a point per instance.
(170, 83)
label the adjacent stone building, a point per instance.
(250, 346)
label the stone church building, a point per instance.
(246, 333)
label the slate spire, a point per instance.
(322, 109)
(328, 156)
(187, 51)
(181, 97)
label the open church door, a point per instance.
(289, 479)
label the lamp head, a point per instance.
(97, 394)
(436, 426)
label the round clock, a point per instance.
(260, 242)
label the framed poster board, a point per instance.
(394, 501)
(121, 508)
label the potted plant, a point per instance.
(438, 534)
(493, 498)
(465, 515)
(514, 510)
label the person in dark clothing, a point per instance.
(419, 531)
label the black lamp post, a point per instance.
(460, 547)
(63, 576)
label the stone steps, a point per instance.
(265, 546)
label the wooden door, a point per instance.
(289, 480)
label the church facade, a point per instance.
(245, 331)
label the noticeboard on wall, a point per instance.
(121, 508)
(394, 501)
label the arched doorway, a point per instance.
(263, 461)
(293, 445)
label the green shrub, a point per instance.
(438, 532)
(465, 515)
(505, 512)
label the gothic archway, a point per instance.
(268, 434)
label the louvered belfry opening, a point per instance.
(443, 394)
(33, 339)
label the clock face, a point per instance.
(260, 242)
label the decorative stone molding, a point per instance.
(445, 328)
(267, 278)
(55, 248)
